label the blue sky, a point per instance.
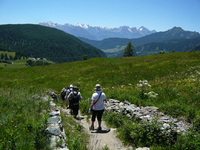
(160, 15)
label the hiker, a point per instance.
(64, 94)
(69, 89)
(74, 97)
(97, 106)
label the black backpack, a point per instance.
(75, 97)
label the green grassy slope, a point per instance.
(174, 77)
(168, 74)
(44, 42)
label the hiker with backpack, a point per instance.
(74, 97)
(64, 94)
(97, 106)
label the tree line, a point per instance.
(18, 55)
(37, 63)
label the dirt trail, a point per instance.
(99, 140)
(105, 138)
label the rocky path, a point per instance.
(104, 139)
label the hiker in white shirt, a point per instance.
(97, 106)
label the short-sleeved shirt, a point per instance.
(99, 105)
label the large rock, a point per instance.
(54, 120)
(55, 113)
(54, 130)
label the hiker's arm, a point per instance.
(92, 104)
(80, 97)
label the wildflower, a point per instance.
(143, 83)
(140, 85)
(11, 121)
(197, 72)
(152, 94)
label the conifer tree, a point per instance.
(129, 50)
(2, 56)
(6, 57)
(85, 57)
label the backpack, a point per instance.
(63, 93)
(75, 97)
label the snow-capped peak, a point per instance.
(82, 25)
(49, 23)
(130, 30)
(99, 32)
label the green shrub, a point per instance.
(114, 119)
(146, 134)
(189, 141)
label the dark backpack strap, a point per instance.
(97, 99)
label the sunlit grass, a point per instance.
(22, 125)
(173, 77)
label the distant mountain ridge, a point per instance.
(100, 33)
(171, 34)
(45, 42)
(173, 37)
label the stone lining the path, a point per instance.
(146, 114)
(55, 129)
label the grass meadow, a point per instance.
(174, 77)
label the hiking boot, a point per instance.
(99, 129)
(91, 127)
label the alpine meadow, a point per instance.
(99, 75)
(174, 77)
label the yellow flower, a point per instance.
(11, 121)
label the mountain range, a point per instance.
(175, 39)
(59, 46)
(100, 33)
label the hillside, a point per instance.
(174, 35)
(181, 45)
(174, 77)
(44, 42)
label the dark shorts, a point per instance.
(98, 114)
(75, 109)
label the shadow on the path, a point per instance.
(101, 131)
(79, 118)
